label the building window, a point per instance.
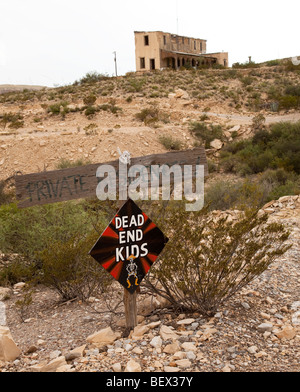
(142, 63)
(195, 45)
(165, 40)
(146, 40)
(200, 46)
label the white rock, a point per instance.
(103, 338)
(265, 327)
(183, 363)
(8, 349)
(156, 342)
(139, 332)
(185, 321)
(133, 367)
(171, 369)
(189, 346)
(117, 367)
(2, 314)
(167, 333)
(252, 349)
(217, 144)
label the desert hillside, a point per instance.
(89, 120)
(248, 120)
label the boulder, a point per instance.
(133, 367)
(103, 338)
(167, 333)
(179, 93)
(217, 144)
(51, 367)
(9, 351)
(288, 332)
(139, 331)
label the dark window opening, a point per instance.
(146, 40)
(152, 64)
(165, 40)
(142, 62)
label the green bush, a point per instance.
(5, 194)
(170, 143)
(42, 236)
(273, 148)
(13, 120)
(89, 100)
(151, 115)
(69, 269)
(207, 133)
(91, 78)
(207, 260)
(59, 108)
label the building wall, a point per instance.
(152, 48)
(147, 52)
(222, 58)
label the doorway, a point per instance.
(152, 64)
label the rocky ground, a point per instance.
(258, 330)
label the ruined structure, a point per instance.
(158, 50)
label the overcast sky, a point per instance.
(56, 42)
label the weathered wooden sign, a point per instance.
(81, 182)
(129, 246)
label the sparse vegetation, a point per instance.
(202, 268)
(170, 143)
(273, 148)
(206, 133)
(152, 115)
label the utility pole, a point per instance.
(177, 20)
(116, 69)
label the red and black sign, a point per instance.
(129, 246)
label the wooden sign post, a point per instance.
(132, 242)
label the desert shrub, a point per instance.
(66, 163)
(207, 133)
(6, 195)
(69, 269)
(272, 148)
(246, 65)
(152, 115)
(207, 261)
(258, 121)
(59, 108)
(30, 232)
(226, 195)
(170, 143)
(89, 100)
(90, 111)
(278, 183)
(13, 120)
(91, 78)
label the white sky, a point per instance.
(55, 42)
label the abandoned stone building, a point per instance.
(158, 50)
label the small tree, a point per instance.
(208, 260)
